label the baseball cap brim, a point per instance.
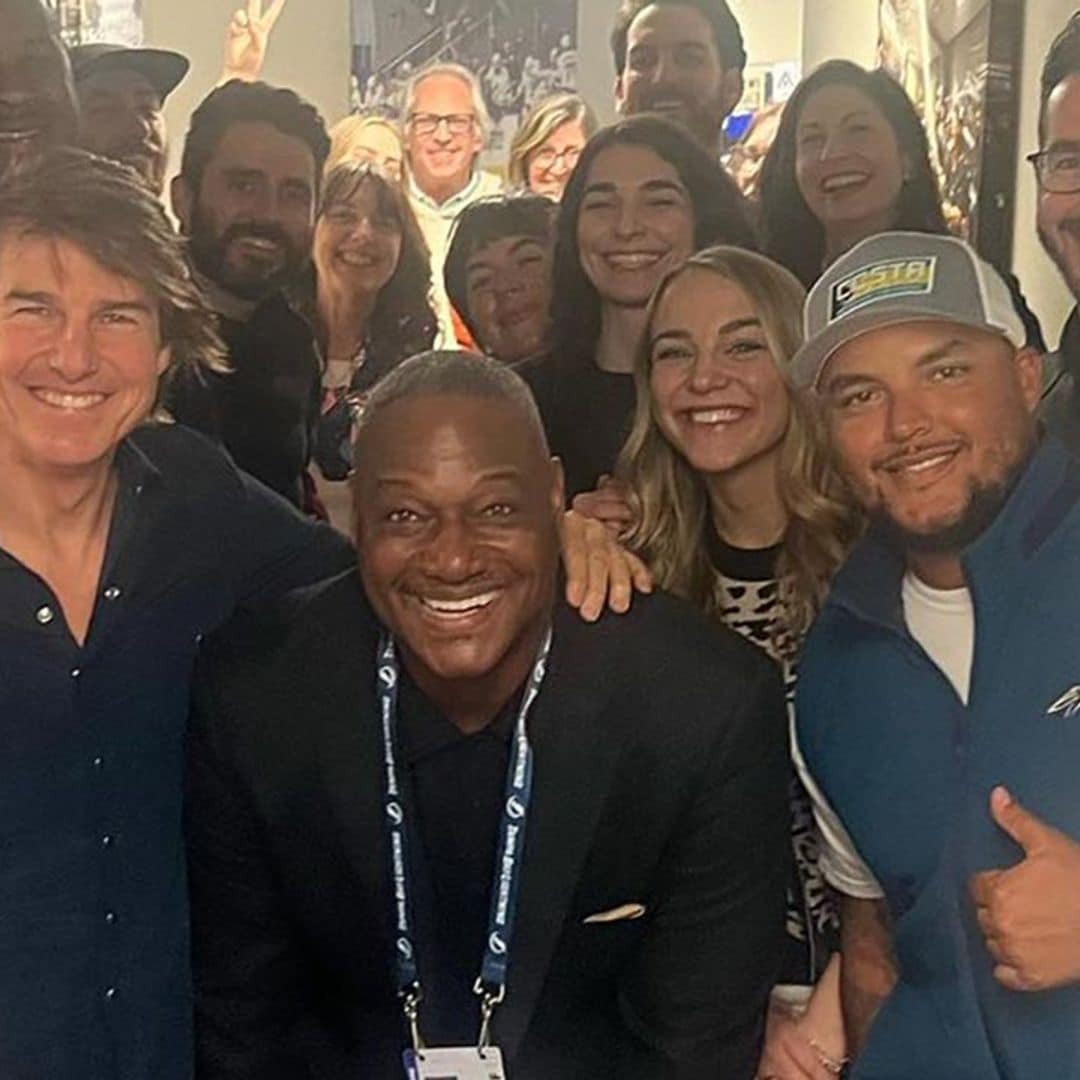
(809, 363)
(163, 70)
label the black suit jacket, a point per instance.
(661, 780)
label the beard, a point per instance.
(984, 504)
(210, 254)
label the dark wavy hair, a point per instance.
(720, 217)
(240, 102)
(792, 235)
(403, 321)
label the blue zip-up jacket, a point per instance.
(909, 769)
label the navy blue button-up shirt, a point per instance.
(94, 973)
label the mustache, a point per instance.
(257, 230)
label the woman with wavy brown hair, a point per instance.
(369, 303)
(725, 489)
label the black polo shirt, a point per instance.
(94, 972)
(457, 784)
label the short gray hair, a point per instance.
(454, 71)
(453, 373)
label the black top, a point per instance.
(456, 785)
(1060, 408)
(660, 790)
(94, 982)
(743, 564)
(587, 414)
(265, 410)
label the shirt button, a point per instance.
(106, 840)
(113, 592)
(76, 672)
(98, 762)
(44, 615)
(110, 993)
(110, 917)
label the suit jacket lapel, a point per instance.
(575, 758)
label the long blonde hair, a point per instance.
(670, 500)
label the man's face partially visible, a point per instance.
(930, 422)
(122, 120)
(457, 532)
(250, 223)
(1059, 215)
(673, 68)
(37, 104)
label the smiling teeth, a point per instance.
(929, 463)
(69, 401)
(842, 181)
(716, 416)
(459, 607)
(633, 261)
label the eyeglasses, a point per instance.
(425, 124)
(1057, 170)
(546, 156)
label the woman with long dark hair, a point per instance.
(641, 199)
(850, 160)
(369, 304)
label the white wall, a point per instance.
(846, 29)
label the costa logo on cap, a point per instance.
(899, 277)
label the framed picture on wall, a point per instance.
(520, 50)
(959, 61)
(116, 21)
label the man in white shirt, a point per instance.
(446, 128)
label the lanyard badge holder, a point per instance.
(484, 1061)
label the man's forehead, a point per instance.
(676, 23)
(501, 246)
(22, 22)
(421, 431)
(258, 145)
(1063, 109)
(440, 88)
(31, 261)
(895, 347)
(117, 80)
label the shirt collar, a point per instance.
(455, 204)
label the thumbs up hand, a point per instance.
(1030, 913)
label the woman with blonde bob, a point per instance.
(725, 490)
(366, 138)
(548, 144)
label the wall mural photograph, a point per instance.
(84, 21)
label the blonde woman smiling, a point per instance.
(724, 488)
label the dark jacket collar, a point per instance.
(868, 585)
(1069, 348)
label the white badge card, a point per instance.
(455, 1063)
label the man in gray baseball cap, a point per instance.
(121, 93)
(938, 690)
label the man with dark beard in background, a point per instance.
(37, 103)
(245, 198)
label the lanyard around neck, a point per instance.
(506, 886)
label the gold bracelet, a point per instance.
(828, 1062)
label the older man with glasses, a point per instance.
(446, 128)
(1057, 170)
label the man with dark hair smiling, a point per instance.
(683, 59)
(626, 781)
(245, 196)
(938, 691)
